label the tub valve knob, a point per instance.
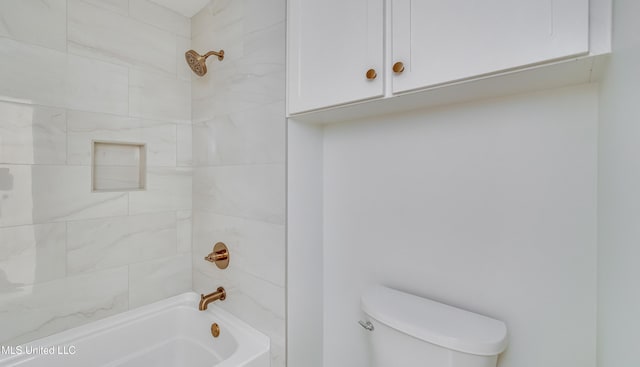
(219, 255)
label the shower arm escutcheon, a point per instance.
(219, 256)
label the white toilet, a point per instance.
(410, 331)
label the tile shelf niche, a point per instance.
(118, 166)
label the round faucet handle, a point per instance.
(219, 255)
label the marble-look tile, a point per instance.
(167, 189)
(37, 75)
(108, 36)
(154, 280)
(117, 178)
(255, 79)
(251, 242)
(278, 353)
(262, 68)
(32, 134)
(186, 8)
(31, 254)
(251, 191)
(239, 127)
(248, 87)
(64, 193)
(83, 127)
(107, 154)
(93, 85)
(260, 14)
(158, 96)
(202, 148)
(229, 38)
(184, 218)
(218, 24)
(39, 22)
(118, 6)
(221, 74)
(267, 295)
(42, 194)
(253, 300)
(265, 48)
(217, 15)
(106, 243)
(248, 137)
(161, 17)
(16, 201)
(184, 141)
(43, 309)
(183, 71)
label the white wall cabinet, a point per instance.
(332, 46)
(416, 45)
(449, 40)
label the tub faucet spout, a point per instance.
(219, 294)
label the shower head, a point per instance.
(197, 62)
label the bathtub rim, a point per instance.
(251, 343)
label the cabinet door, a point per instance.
(331, 46)
(441, 41)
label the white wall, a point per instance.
(488, 206)
(71, 72)
(618, 201)
(305, 296)
(239, 134)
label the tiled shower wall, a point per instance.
(71, 72)
(239, 161)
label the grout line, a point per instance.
(128, 286)
(129, 92)
(66, 24)
(235, 216)
(68, 109)
(88, 165)
(176, 147)
(238, 165)
(66, 136)
(30, 44)
(66, 249)
(152, 166)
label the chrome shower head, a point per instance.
(197, 62)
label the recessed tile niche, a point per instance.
(118, 166)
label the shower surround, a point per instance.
(72, 72)
(76, 71)
(239, 161)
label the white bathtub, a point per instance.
(169, 333)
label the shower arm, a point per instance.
(220, 54)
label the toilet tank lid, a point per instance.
(435, 322)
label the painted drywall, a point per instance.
(239, 134)
(72, 72)
(305, 296)
(488, 206)
(618, 199)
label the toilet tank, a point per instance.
(411, 331)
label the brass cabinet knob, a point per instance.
(371, 74)
(398, 67)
